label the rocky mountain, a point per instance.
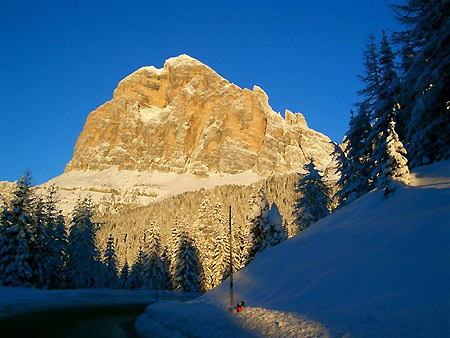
(185, 118)
(182, 128)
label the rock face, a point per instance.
(185, 118)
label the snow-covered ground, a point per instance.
(18, 300)
(375, 268)
(142, 188)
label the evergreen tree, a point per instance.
(135, 280)
(371, 79)
(385, 109)
(426, 79)
(153, 271)
(4, 225)
(355, 162)
(276, 233)
(40, 261)
(124, 273)
(165, 257)
(175, 238)
(60, 249)
(17, 225)
(395, 168)
(314, 201)
(187, 266)
(110, 261)
(257, 218)
(83, 269)
(221, 261)
(240, 237)
(205, 238)
(56, 241)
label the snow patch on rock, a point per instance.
(151, 114)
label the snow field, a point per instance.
(375, 268)
(145, 187)
(198, 319)
(274, 324)
(174, 319)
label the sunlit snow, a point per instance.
(375, 268)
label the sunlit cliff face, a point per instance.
(185, 117)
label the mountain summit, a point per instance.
(185, 118)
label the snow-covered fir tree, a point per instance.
(56, 248)
(257, 220)
(154, 272)
(426, 79)
(395, 168)
(205, 235)
(221, 259)
(165, 257)
(135, 278)
(59, 252)
(17, 234)
(355, 162)
(83, 268)
(110, 261)
(276, 233)
(174, 245)
(40, 250)
(221, 252)
(385, 109)
(315, 200)
(371, 78)
(4, 225)
(187, 269)
(123, 277)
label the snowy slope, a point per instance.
(377, 267)
(142, 188)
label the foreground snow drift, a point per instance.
(377, 267)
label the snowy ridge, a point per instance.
(142, 188)
(377, 267)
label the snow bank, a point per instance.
(377, 267)
(201, 319)
(169, 319)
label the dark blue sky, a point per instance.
(60, 60)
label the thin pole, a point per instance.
(231, 265)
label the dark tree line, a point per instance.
(402, 120)
(37, 250)
(33, 241)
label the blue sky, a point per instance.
(60, 60)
